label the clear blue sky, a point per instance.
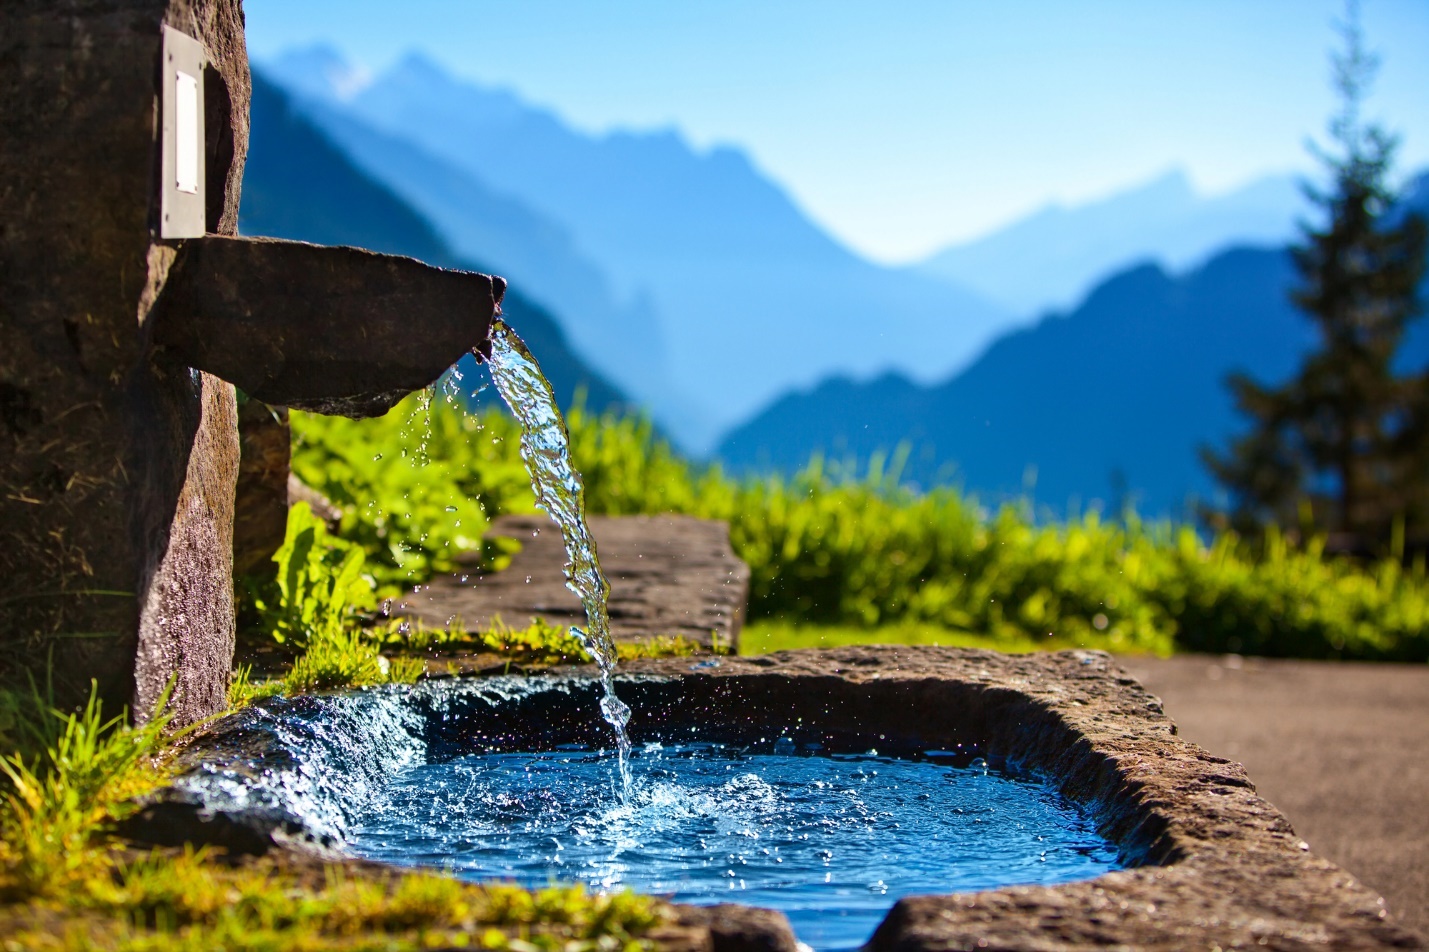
(904, 126)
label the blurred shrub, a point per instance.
(414, 486)
(419, 485)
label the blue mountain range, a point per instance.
(1052, 259)
(1109, 402)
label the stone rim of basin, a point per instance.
(1209, 861)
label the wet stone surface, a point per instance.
(1208, 862)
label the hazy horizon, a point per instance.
(879, 128)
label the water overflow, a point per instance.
(545, 448)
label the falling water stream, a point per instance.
(545, 448)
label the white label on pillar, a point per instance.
(186, 133)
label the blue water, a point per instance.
(831, 841)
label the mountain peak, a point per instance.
(416, 67)
(1165, 219)
(320, 71)
(1174, 182)
(417, 78)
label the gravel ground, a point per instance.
(1341, 748)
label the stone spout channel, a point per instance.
(328, 329)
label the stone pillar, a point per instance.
(119, 444)
(117, 463)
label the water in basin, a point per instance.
(831, 841)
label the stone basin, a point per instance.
(1209, 864)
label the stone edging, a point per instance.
(1211, 865)
(1214, 865)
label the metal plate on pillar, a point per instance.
(182, 209)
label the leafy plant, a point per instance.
(415, 486)
(312, 605)
(319, 583)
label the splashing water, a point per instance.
(545, 448)
(830, 840)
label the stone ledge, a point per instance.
(669, 576)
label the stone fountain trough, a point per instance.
(1207, 863)
(132, 308)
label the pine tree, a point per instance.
(1343, 447)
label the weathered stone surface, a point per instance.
(175, 820)
(332, 330)
(260, 515)
(117, 464)
(735, 928)
(1210, 863)
(1214, 865)
(669, 575)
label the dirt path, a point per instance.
(1341, 748)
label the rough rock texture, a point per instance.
(116, 462)
(1210, 863)
(669, 575)
(1215, 865)
(332, 330)
(735, 928)
(261, 511)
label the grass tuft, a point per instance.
(84, 777)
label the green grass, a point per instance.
(65, 886)
(838, 552)
(769, 635)
(187, 901)
(75, 773)
(347, 658)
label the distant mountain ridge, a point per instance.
(695, 278)
(1108, 402)
(1110, 399)
(297, 184)
(747, 296)
(1051, 259)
